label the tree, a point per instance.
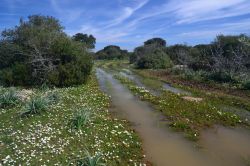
(180, 54)
(230, 57)
(151, 55)
(37, 48)
(88, 41)
(112, 52)
(157, 41)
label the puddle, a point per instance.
(165, 86)
(170, 88)
(132, 78)
(137, 81)
(232, 146)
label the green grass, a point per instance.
(48, 139)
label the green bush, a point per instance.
(111, 53)
(39, 104)
(151, 55)
(36, 105)
(9, 99)
(246, 85)
(38, 52)
(17, 74)
(220, 77)
(155, 60)
(53, 97)
(190, 74)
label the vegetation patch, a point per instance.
(9, 98)
(49, 139)
(80, 119)
(183, 115)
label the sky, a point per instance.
(128, 23)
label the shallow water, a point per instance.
(165, 86)
(231, 146)
(162, 146)
(170, 88)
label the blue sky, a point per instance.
(128, 23)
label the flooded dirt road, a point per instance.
(166, 148)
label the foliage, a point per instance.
(9, 98)
(156, 41)
(112, 52)
(36, 105)
(89, 160)
(39, 104)
(179, 54)
(152, 55)
(226, 59)
(80, 119)
(221, 77)
(37, 51)
(246, 85)
(88, 40)
(53, 97)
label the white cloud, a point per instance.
(126, 13)
(69, 15)
(201, 10)
(225, 28)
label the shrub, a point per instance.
(36, 105)
(112, 52)
(246, 85)
(151, 55)
(38, 52)
(190, 74)
(80, 119)
(71, 73)
(9, 99)
(221, 77)
(53, 97)
(17, 74)
(155, 60)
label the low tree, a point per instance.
(88, 40)
(230, 57)
(151, 55)
(38, 47)
(156, 41)
(112, 52)
(179, 54)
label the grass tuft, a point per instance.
(80, 119)
(36, 105)
(89, 160)
(9, 99)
